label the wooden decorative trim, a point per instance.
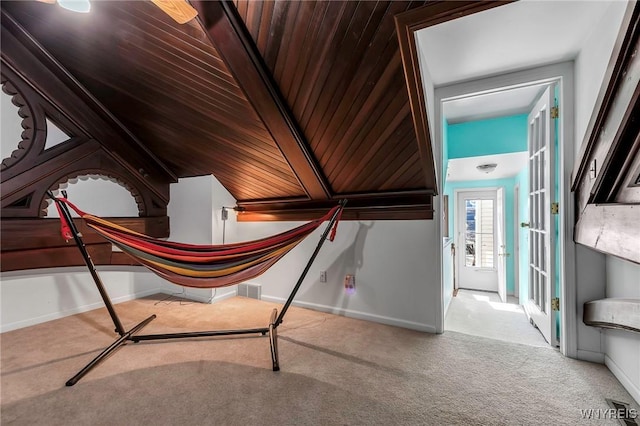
(414, 206)
(85, 159)
(26, 57)
(33, 155)
(49, 94)
(229, 36)
(22, 234)
(37, 243)
(407, 23)
(25, 143)
(424, 212)
(54, 257)
(34, 123)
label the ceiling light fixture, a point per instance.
(487, 168)
(180, 10)
(82, 6)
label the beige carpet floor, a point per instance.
(335, 371)
(481, 313)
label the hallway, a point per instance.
(480, 313)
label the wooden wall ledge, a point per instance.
(617, 313)
(37, 243)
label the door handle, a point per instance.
(524, 224)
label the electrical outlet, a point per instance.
(350, 284)
(323, 276)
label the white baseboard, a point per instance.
(632, 388)
(357, 314)
(78, 309)
(590, 356)
(91, 306)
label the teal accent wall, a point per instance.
(508, 185)
(486, 137)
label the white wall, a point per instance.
(194, 211)
(35, 296)
(396, 265)
(82, 192)
(622, 348)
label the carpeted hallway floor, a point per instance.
(481, 313)
(335, 371)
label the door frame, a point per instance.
(516, 242)
(562, 74)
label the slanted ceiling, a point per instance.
(290, 105)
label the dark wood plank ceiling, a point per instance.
(329, 71)
(167, 84)
(339, 69)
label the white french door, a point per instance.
(541, 133)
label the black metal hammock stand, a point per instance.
(194, 266)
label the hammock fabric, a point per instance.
(202, 266)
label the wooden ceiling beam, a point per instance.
(231, 38)
(407, 23)
(404, 205)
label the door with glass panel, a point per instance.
(476, 235)
(541, 238)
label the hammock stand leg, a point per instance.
(275, 320)
(273, 340)
(124, 334)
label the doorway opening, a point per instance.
(524, 176)
(483, 305)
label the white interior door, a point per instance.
(476, 225)
(541, 129)
(502, 246)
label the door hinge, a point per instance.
(555, 208)
(555, 304)
(555, 112)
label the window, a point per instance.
(479, 233)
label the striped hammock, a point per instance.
(201, 266)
